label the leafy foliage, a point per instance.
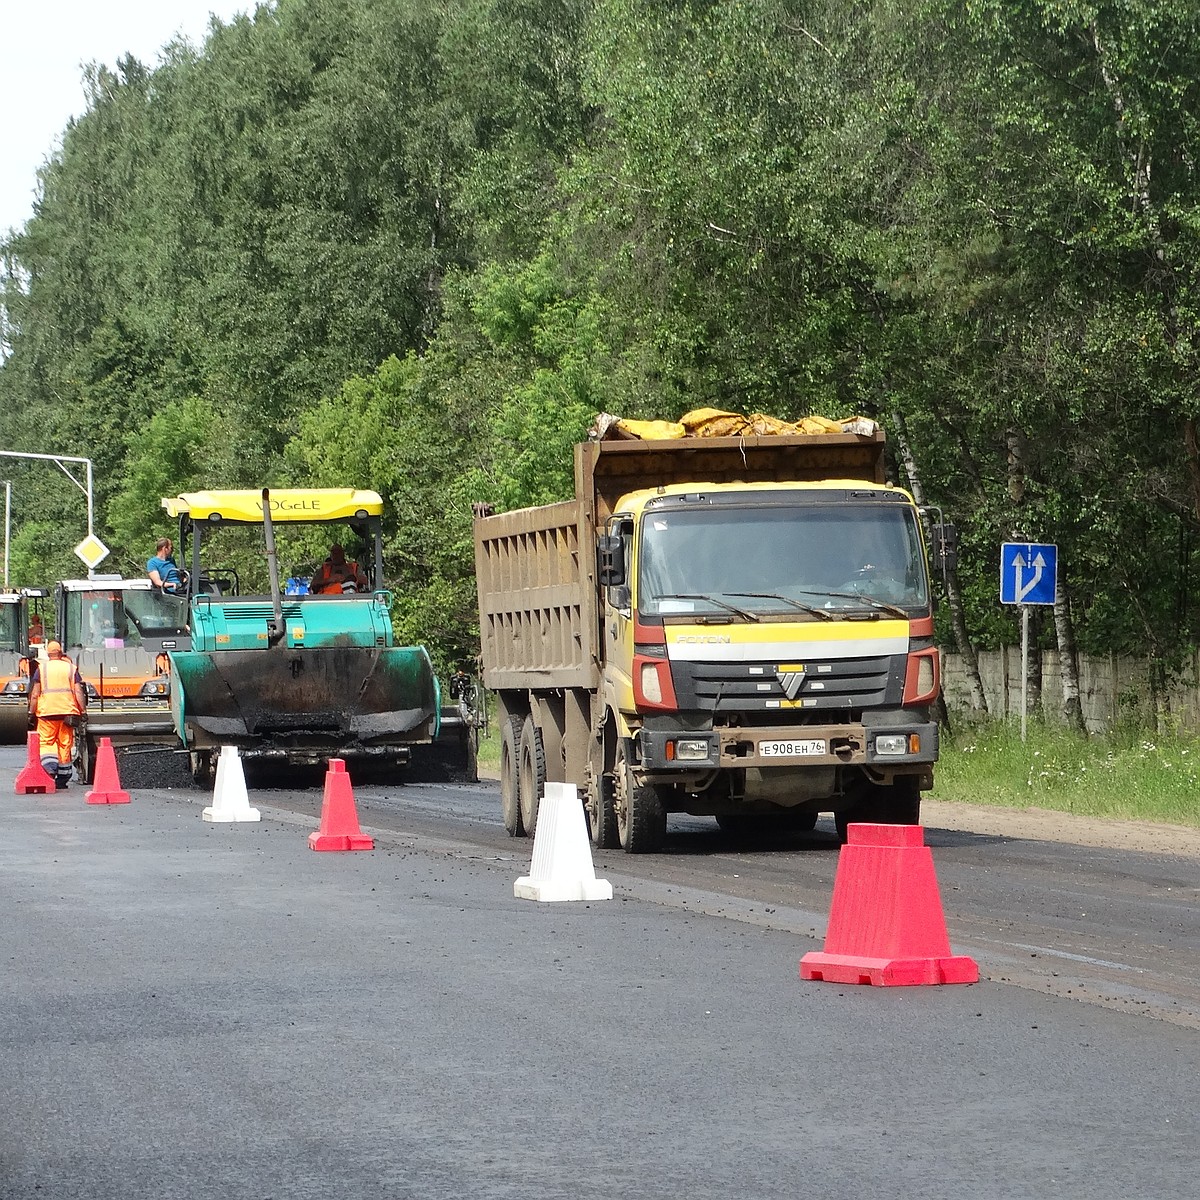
(416, 247)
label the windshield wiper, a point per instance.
(808, 608)
(880, 605)
(733, 608)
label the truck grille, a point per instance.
(824, 685)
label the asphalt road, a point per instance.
(196, 1010)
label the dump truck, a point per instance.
(120, 634)
(294, 675)
(15, 668)
(733, 626)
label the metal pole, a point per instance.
(58, 460)
(7, 525)
(1024, 663)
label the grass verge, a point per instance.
(1128, 774)
(488, 755)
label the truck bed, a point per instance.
(535, 575)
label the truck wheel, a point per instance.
(602, 815)
(85, 758)
(641, 817)
(532, 774)
(471, 757)
(904, 804)
(510, 775)
(898, 803)
(798, 822)
(203, 768)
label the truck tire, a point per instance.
(641, 817)
(532, 774)
(85, 757)
(510, 775)
(204, 767)
(898, 803)
(602, 815)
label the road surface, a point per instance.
(197, 1010)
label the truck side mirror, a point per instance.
(610, 560)
(945, 546)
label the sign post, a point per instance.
(60, 461)
(1028, 575)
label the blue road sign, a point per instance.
(1028, 573)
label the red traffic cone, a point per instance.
(339, 818)
(33, 777)
(107, 783)
(886, 925)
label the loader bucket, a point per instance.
(342, 697)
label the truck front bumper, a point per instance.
(898, 746)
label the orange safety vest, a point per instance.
(332, 577)
(57, 697)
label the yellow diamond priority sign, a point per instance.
(91, 551)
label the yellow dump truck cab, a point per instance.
(768, 651)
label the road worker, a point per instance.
(37, 631)
(57, 701)
(338, 574)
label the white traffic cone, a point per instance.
(230, 799)
(562, 855)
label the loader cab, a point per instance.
(111, 613)
(228, 526)
(12, 633)
(276, 541)
(120, 633)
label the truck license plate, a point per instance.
(791, 749)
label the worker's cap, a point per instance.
(54, 647)
(337, 548)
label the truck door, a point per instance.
(618, 626)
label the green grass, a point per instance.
(1125, 774)
(489, 748)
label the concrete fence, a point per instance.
(1111, 689)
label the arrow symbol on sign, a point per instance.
(1038, 564)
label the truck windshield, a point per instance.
(120, 618)
(9, 627)
(783, 558)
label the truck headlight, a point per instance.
(16, 687)
(691, 750)
(891, 744)
(153, 687)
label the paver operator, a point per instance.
(338, 574)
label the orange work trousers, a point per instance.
(56, 737)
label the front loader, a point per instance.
(295, 677)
